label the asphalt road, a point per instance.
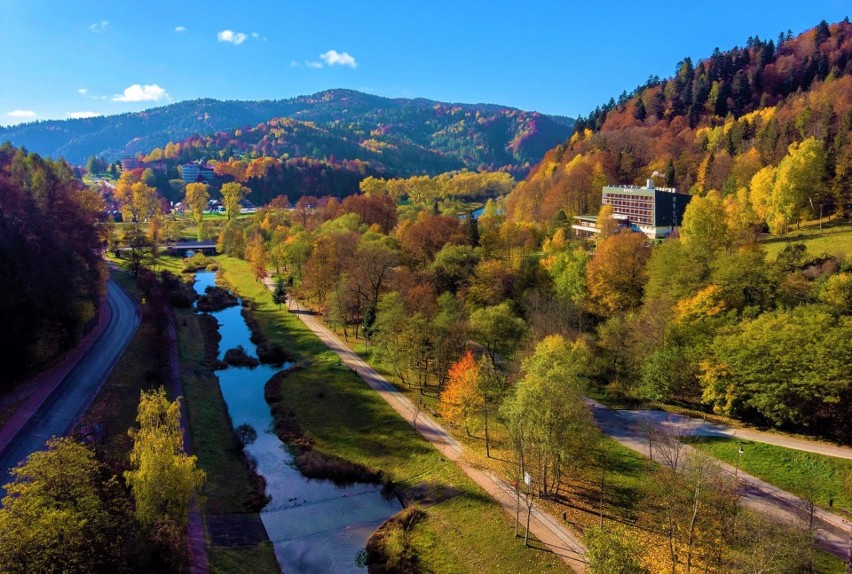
(691, 426)
(58, 413)
(630, 428)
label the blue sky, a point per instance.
(61, 59)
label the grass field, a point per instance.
(468, 532)
(810, 476)
(835, 238)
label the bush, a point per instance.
(342, 472)
(272, 354)
(215, 299)
(198, 262)
(239, 358)
(389, 548)
(245, 434)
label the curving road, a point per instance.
(691, 426)
(630, 428)
(58, 412)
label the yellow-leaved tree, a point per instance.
(232, 194)
(606, 221)
(197, 195)
(163, 478)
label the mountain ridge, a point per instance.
(140, 132)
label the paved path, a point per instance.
(65, 394)
(555, 536)
(632, 431)
(698, 427)
(196, 540)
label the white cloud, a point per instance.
(231, 36)
(138, 93)
(24, 114)
(99, 26)
(82, 91)
(294, 64)
(81, 115)
(180, 29)
(316, 65)
(335, 58)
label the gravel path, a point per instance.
(196, 540)
(549, 531)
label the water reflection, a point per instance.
(315, 526)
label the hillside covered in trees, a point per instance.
(769, 122)
(760, 136)
(51, 272)
(403, 136)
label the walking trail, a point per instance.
(631, 429)
(197, 544)
(556, 537)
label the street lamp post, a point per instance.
(737, 466)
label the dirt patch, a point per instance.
(312, 463)
(428, 494)
(215, 299)
(389, 548)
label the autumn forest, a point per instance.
(436, 241)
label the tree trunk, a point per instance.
(487, 447)
(692, 522)
(603, 479)
(517, 509)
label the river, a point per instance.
(315, 526)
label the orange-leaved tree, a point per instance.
(461, 398)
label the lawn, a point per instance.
(345, 418)
(810, 476)
(468, 532)
(835, 238)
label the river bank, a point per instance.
(314, 525)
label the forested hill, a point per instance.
(341, 123)
(714, 125)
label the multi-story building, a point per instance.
(128, 163)
(654, 211)
(196, 171)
